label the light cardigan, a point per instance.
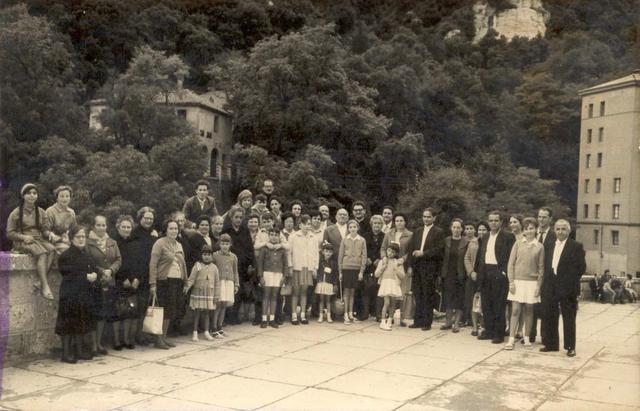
(526, 261)
(352, 254)
(163, 254)
(303, 251)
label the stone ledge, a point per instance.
(11, 261)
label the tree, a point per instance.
(37, 85)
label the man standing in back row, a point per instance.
(564, 264)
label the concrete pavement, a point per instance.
(350, 367)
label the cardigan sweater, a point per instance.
(352, 254)
(328, 271)
(390, 269)
(107, 259)
(227, 266)
(303, 251)
(526, 261)
(274, 261)
(164, 254)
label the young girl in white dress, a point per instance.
(390, 272)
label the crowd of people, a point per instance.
(611, 289)
(264, 263)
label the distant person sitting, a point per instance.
(608, 294)
(595, 284)
(629, 292)
(616, 285)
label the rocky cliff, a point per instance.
(527, 18)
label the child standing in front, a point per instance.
(272, 266)
(227, 264)
(303, 263)
(390, 272)
(327, 277)
(352, 260)
(205, 281)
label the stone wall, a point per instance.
(27, 320)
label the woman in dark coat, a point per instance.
(142, 239)
(106, 254)
(453, 276)
(76, 318)
(127, 285)
(242, 247)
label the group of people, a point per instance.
(261, 263)
(611, 289)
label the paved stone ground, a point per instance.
(329, 367)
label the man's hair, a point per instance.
(203, 183)
(547, 209)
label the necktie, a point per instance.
(540, 237)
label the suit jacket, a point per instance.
(431, 261)
(572, 265)
(550, 239)
(333, 236)
(192, 209)
(504, 244)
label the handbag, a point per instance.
(338, 303)
(126, 306)
(153, 318)
(286, 289)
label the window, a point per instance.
(215, 124)
(617, 182)
(182, 113)
(615, 237)
(209, 135)
(201, 133)
(490, 22)
(590, 110)
(586, 211)
(586, 185)
(588, 161)
(600, 134)
(615, 212)
(596, 236)
(598, 185)
(597, 211)
(599, 159)
(213, 165)
(589, 135)
(602, 108)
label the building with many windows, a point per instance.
(608, 220)
(210, 120)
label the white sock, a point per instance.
(272, 317)
(264, 318)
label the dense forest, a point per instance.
(367, 99)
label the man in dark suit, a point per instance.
(547, 237)
(200, 204)
(564, 264)
(336, 232)
(492, 262)
(424, 259)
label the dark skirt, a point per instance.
(144, 295)
(120, 294)
(453, 293)
(105, 300)
(169, 293)
(350, 278)
(76, 315)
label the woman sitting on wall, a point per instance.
(28, 228)
(61, 217)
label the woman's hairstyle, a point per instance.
(529, 221)
(376, 217)
(201, 219)
(403, 216)
(24, 190)
(216, 218)
(260, 197)
(236, 209)
(294, 202)
(482, 223)
(305, 219)
(168, 221)
(252, 216)
(75, 229)
(145, 210)
(395, 247)
(457, 220)
(276, 199)
(313, 213)
(517, 217)
(124, 217)
(60, 189)
(95, 218)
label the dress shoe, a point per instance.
(304, 321)
(546, 349)
(497, 340)
(414, 325)
(160, 344)
(263, 324)
(426, 328)
(130, 346)
(484, 336)
(571, 353)
(102, 351)
(69, 359)
(273, 324)
(118, 347)
(256, 322)
(474, 333)
(169, 343)
(446, 327)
